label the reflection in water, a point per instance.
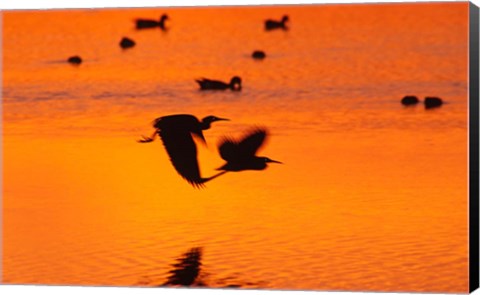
(187, 270)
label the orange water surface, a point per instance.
(371, 196)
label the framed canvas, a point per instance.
(321, 147)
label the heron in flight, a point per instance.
(207, 84)
(274, 24)
(240, 155)
(176, 133)
(141, 23)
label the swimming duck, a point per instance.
(273, 24)
(150, 23)
(258, 54)
(410, 100)
(75, 60)
(127, 43)
(207, 84)
(432, 102)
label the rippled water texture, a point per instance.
(371, 196)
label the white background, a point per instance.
(44, 4)
(29, 4)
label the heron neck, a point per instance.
(205, 125)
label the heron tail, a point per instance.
(146, 139)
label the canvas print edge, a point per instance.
(474, 147)
(474, 115)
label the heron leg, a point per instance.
(214, 176)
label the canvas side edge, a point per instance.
(473, 147)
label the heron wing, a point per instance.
(199, 134)
(183, 154)
(228, 149)
(249, 145)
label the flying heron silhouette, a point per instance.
(274, 24)
(142, 23)
(240, 155)
(176, 133)
(207, 84)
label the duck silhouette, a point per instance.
(207, 84)
(258, 54)
(241, 155)
(126, 43)
(274, 24)
(432, 102)
(176, 133)
(75, 60)
(410, 100)
(142, 23)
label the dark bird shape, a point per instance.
(127, 43)
(271, 24)
(142, 23)
(75, 60)
(176, 133)
(410, 100)
(207, 84)
(432, 102)
(240, 155)
(258, 54)
(186, 271)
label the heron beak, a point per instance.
(223, 119)
(273, 161)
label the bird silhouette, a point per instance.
(176, 133)
(410, 100)
(274, 24)
(126, 43)
(432, 102)
(75, 60)
(141, 23)
(240, 155)
(207, 84)
(258, 54)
